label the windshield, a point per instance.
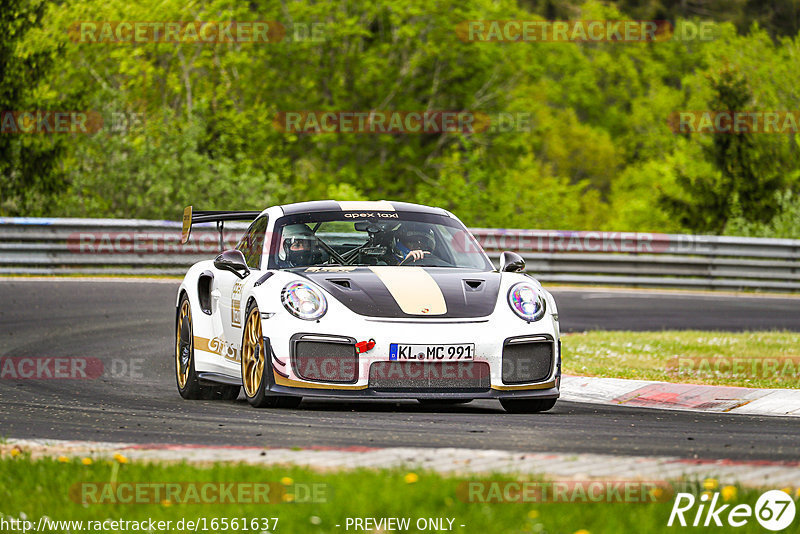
(368, 239)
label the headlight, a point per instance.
(304, 301)
(526, 301)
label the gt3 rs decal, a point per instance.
(324, 269)
(415, 291)
(236, 305)
(218, 346)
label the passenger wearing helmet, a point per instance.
(412, 242)
(299, 246)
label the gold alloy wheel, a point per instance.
(252, 354)
(183, 348)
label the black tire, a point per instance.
(254, 354)
(185, 376)
(443, 402)
(527, 405)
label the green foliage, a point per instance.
(786, 223)
(744, 177)
(781, 17)
(28, 166)
(307, 500)
(199, 118)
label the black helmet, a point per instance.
(299, 244)
(417, 236)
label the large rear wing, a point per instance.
(190, 217)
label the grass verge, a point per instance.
(749, 359)
(47, 487)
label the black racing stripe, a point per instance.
(367, 295)
(314, 206)
(477, 299)
(311, 207)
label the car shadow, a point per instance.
(395, 406)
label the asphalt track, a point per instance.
(128, 325)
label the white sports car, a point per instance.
(363, 300)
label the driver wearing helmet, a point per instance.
(412, 242)
(299, 246)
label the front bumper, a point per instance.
(367, 393)
(488, 334)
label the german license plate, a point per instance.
(402, 351)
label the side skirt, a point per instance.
(210, 379)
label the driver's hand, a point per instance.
(416, 254)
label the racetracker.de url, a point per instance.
(201, 524)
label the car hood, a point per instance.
(417, 292)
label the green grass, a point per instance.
(654, 356)
(41, 488)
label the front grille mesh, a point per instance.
(325, 362)
(527, 362)
(423, 376)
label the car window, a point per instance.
(374, 239)
(252, 243)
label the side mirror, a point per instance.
(511, 262)
(233, 261)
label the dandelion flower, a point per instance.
(410, 478)
(729, 492)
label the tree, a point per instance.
(745, 179)
(28, 163)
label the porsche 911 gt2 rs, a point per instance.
(363, 300)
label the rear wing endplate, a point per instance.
(190, 217)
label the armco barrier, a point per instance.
(132, 246)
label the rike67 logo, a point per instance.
(774, 510)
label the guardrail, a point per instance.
(132, 246)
